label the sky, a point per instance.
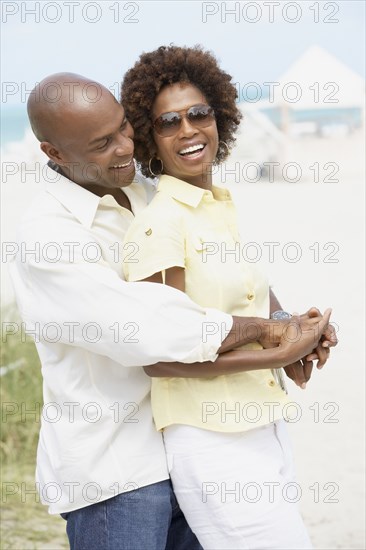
(255, 41)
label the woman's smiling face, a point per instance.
(194, 165)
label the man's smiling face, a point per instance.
(95, 143)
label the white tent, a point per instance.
(258, 139)
(317, 80)
(317, 95)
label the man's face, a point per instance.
(96, 144)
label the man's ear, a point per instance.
(52, 153)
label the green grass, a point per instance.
(25, 523)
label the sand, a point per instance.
(328, 438)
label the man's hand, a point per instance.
(272, 332)
(300, 371)
(274, 329)
(302, 336)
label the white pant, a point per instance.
(237, 490)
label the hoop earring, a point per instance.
(227, 147)
(150, 170)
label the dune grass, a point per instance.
(25, 522)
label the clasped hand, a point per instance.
(304, 338)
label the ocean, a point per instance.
(14, 123)
(350, 116)
(14, 119)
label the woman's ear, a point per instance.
(153, 151)
(154, 155)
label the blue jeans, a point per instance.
(148, 518)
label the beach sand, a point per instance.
(321, 225)
(328, 437)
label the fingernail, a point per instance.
(303, 386)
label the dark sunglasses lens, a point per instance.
(200, 115)
(167, 123)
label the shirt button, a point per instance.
(271, 383)
(250, 296)
(148, 232)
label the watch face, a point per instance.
(279, 315)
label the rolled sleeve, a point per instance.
(160, 244)
(215, 329)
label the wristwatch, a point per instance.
(279, 315)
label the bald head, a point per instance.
(83, 129)
(56, 103)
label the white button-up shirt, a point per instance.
(94, 332)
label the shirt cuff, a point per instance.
(215, 328)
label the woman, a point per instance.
(225, 437)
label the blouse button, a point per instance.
(250, 296)
(148, 232)
(271, 383)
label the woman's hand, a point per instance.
(328, 339)
(300, 372)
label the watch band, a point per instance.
(278, 374)
(280, 315)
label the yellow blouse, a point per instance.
(196, 229)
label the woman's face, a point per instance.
(191, 166)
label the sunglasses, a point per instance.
(199, 116)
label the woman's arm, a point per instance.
(230, 362)
(174, 276)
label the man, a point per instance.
(100, 462)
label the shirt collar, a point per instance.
(190, 194)
(83, 204)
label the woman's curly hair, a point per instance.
(169, 65)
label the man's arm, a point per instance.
(135, 324)
(91, 307)
(270, 333)
(299, 338)
(244, 330)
